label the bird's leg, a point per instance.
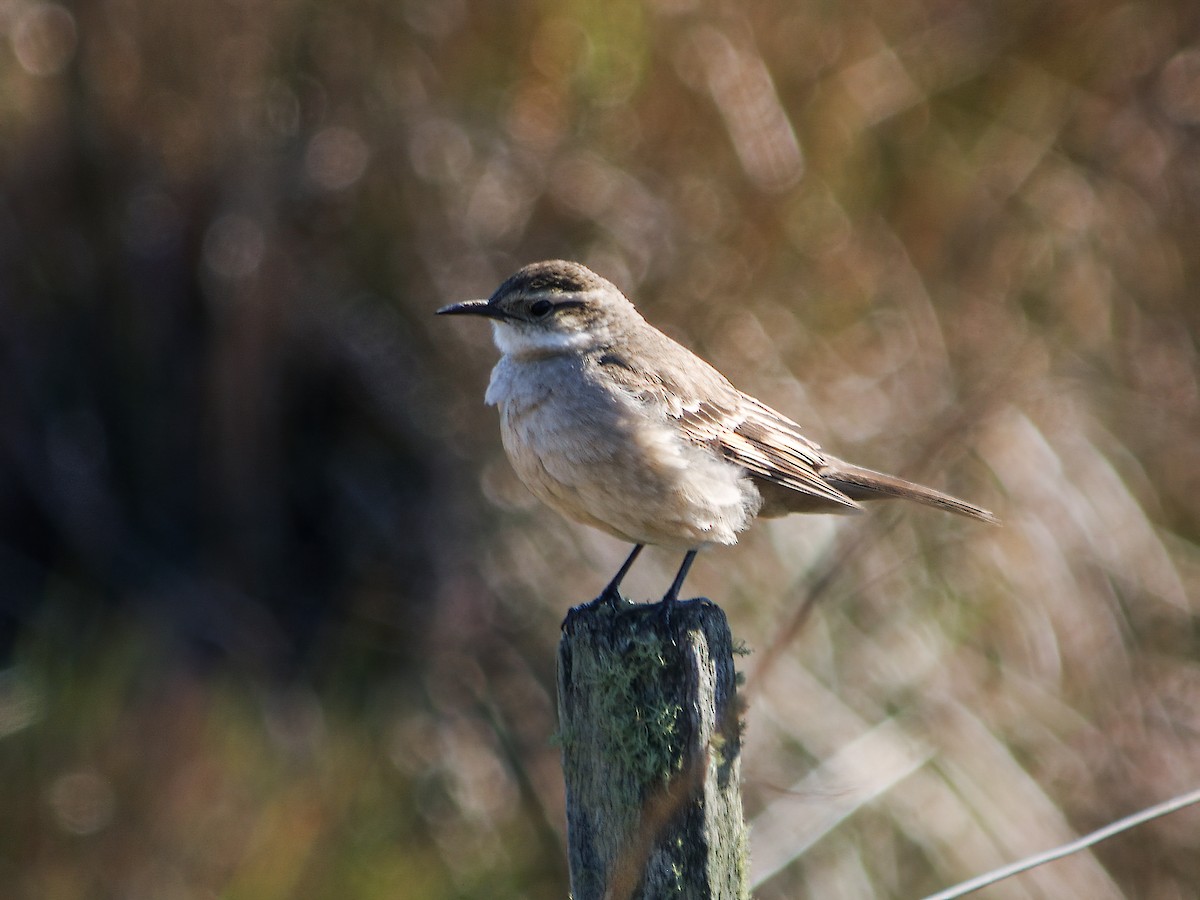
(672, 594)
(612, 593)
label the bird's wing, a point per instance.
(711, 412)
(762, 441)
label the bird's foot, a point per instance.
(612, 598)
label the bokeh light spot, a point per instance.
(336, 158)
(440, 151)
(1179, 88)
(44, 39)
(83, 802)
(233, 246)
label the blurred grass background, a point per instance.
(276, 619)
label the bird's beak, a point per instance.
(473, 308)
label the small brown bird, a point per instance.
(613, 424)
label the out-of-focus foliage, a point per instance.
(278, 620)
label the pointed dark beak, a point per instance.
(472, 308)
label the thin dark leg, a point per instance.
(673, 592)
(612, 593)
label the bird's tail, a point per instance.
(864, 484)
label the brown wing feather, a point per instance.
(749, 436)
(712, 412)
(857, 483)
(771, 447)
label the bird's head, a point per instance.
(551, 307)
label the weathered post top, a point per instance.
(650, 730)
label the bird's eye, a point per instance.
(540, 308)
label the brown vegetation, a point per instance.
(279, 620)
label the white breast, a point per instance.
(599, 456)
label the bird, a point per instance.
(614, 424)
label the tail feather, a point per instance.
(858, 483)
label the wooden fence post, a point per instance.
(651, 741)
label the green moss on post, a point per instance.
(651, 753)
